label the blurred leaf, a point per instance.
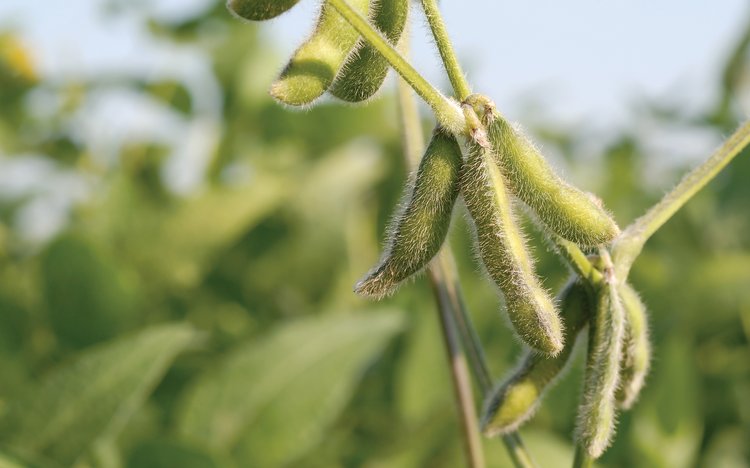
(171, 93)
(8, 462)
(728, 449)
(667, 429)
(92, 396)
(545, 447)
(174, 242)
(87, 299)
(423, 383)
(171, 454)
(272, 399)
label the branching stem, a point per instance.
(629, 244)
(446, 111)
(445, 47)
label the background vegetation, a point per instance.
(216, 327)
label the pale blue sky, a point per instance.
(585, 59)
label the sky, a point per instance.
(583, 59)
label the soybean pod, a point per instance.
(316, 63)
(503, 250)
(562, 208)
(366, 69)
(518, 397)
(259, 10)
(636, 348)
(597, 412)
(419, 230)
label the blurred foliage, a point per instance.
(216, 327)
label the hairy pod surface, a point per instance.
(503, 251)
(597, 413)
(316, 63)
(636, 348)
(418, 232)
(517, 398)
(259, 10)
(565, 210)
(366, 69)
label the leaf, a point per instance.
(272, 399)
(87, 299)
(92, 396)
(168, 454)
(421, 365)
(667, 428)
(8, 462)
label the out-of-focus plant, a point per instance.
(215, 326)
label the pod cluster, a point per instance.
(498, 166)
(333, 59)
(617, 362)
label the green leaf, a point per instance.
(93, 396)
(422, 364)
(272, 399)
(667, 428)
(8, 462)
(169, 454)
(87, 298)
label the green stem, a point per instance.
(630, 243)
(513, 443)
(475, 354)
(582, 459)
(576, 259)
(445, 47)
(442, 287)
(443, 277)
(459, 371)
(447, 112)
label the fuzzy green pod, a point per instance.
(366, 69)
(419, 230)
(316, 63)
(597, 412)
(567, 211)
(259, 10)
(518, 397)
(636, 349)
(503, 250)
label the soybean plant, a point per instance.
(348, 55)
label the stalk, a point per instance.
(443, 268)
(447, 112)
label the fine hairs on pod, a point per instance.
(565, 210)
(502, 247)
(596, 420)
(259, 10)
(366, 69)
(418, 232)
(517, 398)
(316, 63)
(636, 348)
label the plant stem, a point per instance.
(447, 112)
(582, 459)
(461, 88)
(440, 281)
(475, 354)
(450, 61)
(444, 268)
(459, 371)
(576, 259)
(629, 244)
